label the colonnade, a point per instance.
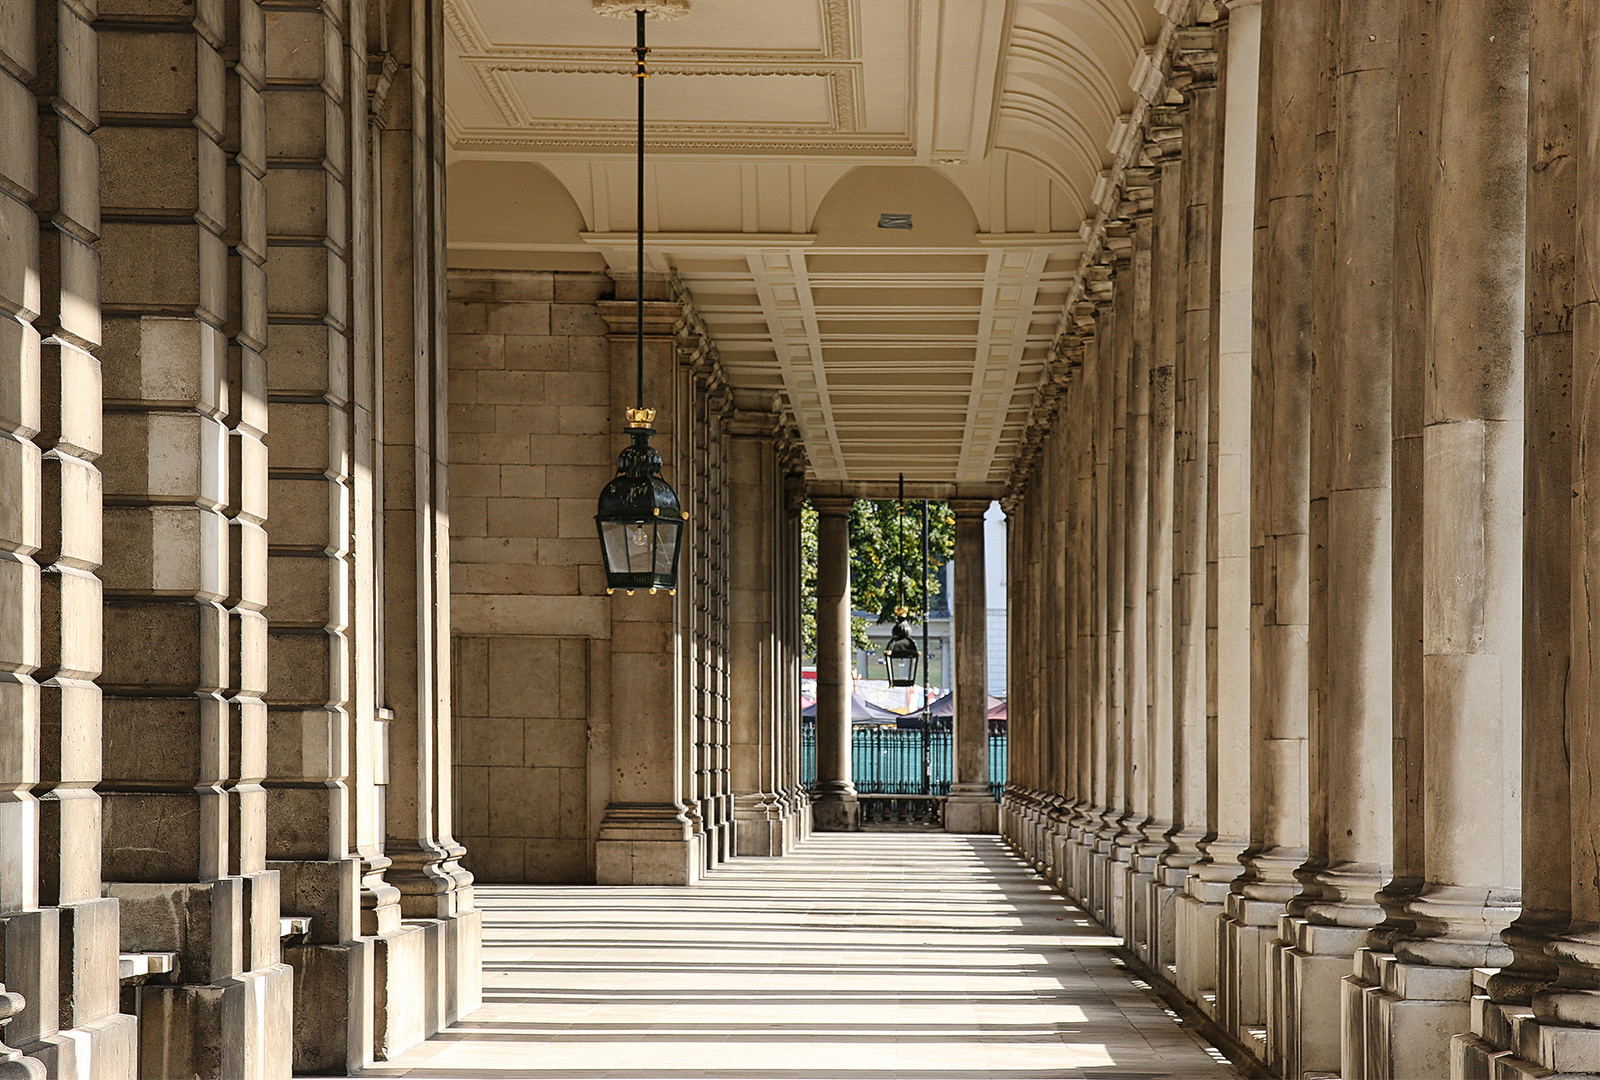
(969, 806)
(1299, 539)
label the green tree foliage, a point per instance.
(876, 562)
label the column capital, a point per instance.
(965, 507)
(832, 505)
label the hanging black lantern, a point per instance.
(639, 519)
(900, 656)
(640, 522)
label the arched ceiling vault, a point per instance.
(779, 132)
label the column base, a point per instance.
(426, 976)
(1312, 967)
(970, 809)
(836, 811)
(647, 844)
(1198, 937)
(1400, 1017)
(760, 825)
(1244, 976)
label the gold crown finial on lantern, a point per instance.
(641, 417)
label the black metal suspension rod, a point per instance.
(640, 75)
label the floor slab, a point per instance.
(861, 956)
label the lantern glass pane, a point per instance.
(614, 535)
(902, 670)
(666, 553)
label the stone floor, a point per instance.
(866, 955)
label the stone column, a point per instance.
(1551, 942)
(1138, 205)
(1054, 710)
(1228, 795)
(755, 668)
(1164, 148)
(833, 798)
(1353, 736)
(1472, 534)
(1280, 507)
(1195, 76)
(970, 807)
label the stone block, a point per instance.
(151, 168)
(577, 320)
(586, 389)
(534, 420)
(29, 965)
(495, 859)
(301, 356)
(524, 676)
(585, 420)
(298, 123)
(171, 456)
(537, 352)
(203, 922)
(166, 643)
(490, 740)
(162, 836)
(163, 266)
(472, 419)
(326, 891)
(468, 517)
(494, 549)
(89, 950)
(575, 678)
(402, 989)
(295, 46)
(525, 517)
(465, 317)
(573, 817)
(577, 480)
(309, 591)
(558, 743)
(509, 388)
(297, 198)
(305, 281)
(557, 862)
(471, 799)
(17, 40)
(303, 514)
(148, 72)
(646, 862)
(309, 437)
(524, 802)
(69, 403)
(172, 550)
(19, 154)
(528, 319)
(332, 1023)
(589, 354)
(19, 257)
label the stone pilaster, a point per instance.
(756, 669)
(184, 731)
(433, 978)
(796, 797)
(970, 808)
(1227, 520)
(651, 833)
(833, 798)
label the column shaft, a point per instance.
(970, 807)
(833, 799)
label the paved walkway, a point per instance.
(866, 955)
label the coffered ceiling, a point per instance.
(779, 131)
